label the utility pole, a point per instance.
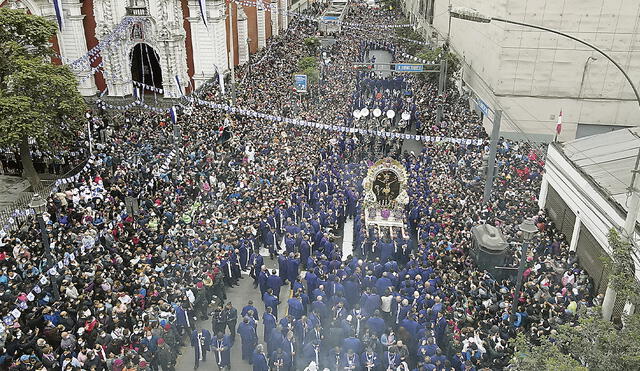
(449, 28)
(441, 87)
(491, 163)
(629, 231)
(232, 54)
(634, 202)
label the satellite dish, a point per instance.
(364, 112)
(406, 116)
(356, 114)
(391, 114)
(377, 112)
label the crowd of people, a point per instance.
(142, 251)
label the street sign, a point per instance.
(329, 18)
(406, 67)
(482, 106)
(300, 83)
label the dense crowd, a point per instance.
(132, 281)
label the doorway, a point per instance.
(145, 66)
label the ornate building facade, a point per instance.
(116, 45)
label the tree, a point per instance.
(546, 356)
(312, 43)
(597, 344)
(453, 63)
(405, 33)
(593, 344)
(621, 268)
(309, 66)
(38, 100)
(307, 62)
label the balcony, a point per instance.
(137, 11)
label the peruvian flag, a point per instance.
(559, 125)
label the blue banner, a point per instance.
(300, 83)
(405, 67)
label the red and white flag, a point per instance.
(559, 125)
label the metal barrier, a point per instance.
(13, 216)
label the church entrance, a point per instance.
(145, 66)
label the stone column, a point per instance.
(576, 234)
(115, 56)
(275, 15)
(608, 302)
(243, 36)
(208, 42)
(284, 7)
(116, 75)
(72, 42)
(262, 35)
(173, 59)
(219, 20)
(544, 189)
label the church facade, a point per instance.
(162, 46)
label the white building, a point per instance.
(532, 74)
(585, 190)
(162, 40)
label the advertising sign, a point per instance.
(300, 83)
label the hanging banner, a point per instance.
(57, 6)
(300, 83)
(174, 114)
(179, 86)
(203, 11)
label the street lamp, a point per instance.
(39, 206)
(528, 229)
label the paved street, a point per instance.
(239, 296)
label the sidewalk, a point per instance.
(11, 188)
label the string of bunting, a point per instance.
(44, 280)
(298, 122)
(23, 300)
(274, 8)
(147, 87)
(74, 178)
(135, 103)
(337, 128)
(106, 41)
(92, 72)
(405, 55)
(424, 43)
(164, 169)
(12, 219)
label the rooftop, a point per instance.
(608, 159)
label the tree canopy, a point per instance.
(309, 66)
(594, 344)
(621, 267)
(38, 100)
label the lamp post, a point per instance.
(528, 229)
(39, 206)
